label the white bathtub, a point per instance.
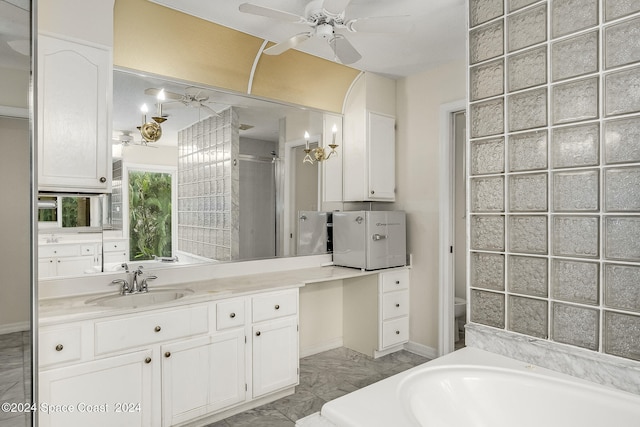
(475, 388)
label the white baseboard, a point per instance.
(14, 327)
(421, 350)
(320, 347)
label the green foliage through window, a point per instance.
(149, 214)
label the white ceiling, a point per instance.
(437, 32)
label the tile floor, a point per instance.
(15, 376)
(323, 377)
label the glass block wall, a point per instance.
(554, 170)
(116, 196)
(208, 187)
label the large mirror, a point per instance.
(199, 175)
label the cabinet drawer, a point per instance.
(395, 332)
(140, 330)
(275, 305)
(395, 304)
(229, 314)
(395, 280)
(59, 345)
(58, 250)
(116, 246)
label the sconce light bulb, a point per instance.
(144, 109)
(334, 129)
(161, 96)
(306, 135)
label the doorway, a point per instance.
(452, 239)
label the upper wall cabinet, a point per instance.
(369, 140)
(74, 115)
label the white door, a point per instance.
(381, 156)
(74, 82)
(275, 355)
(202, 375)
(112, 392)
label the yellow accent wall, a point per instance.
(155, 39)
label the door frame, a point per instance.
(446, 288)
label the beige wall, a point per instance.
(417, 176)
(15, 289)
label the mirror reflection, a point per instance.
(199, 175)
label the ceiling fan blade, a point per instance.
(380, 24)
(210, 110)
(344, 50)
(335, 7)
(287, 44)
(168, 95)
(270, 13)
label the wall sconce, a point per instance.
(151, 130)
(319, 153)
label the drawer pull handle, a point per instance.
(258, 333)
(147, 360)
(397, 332)
(167, 354)
(232, 315)
(397, 305)
(59, 347)
(277, 307)
(157, 329)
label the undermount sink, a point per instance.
(155, 296)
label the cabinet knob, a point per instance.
(232, 315)
(373, 192)
(397, 332)
(103, 179)
(147, 360)
(157, 329)
(277, 307)
(397, 305)
(59, 347)
(397, 282)
(258, 333)
(167, 354)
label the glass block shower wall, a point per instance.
(208, 187)
(554, 170)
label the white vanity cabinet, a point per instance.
(369, 140)
(173, 365)
(74, 115)
(381, 300)
(115, 251)
(274, 341)
(67, 259)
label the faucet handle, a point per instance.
(144, 286)
(124, 285)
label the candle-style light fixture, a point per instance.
(151, 130)
(318, 154)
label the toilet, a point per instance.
(460, 312)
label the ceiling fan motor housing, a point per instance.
(324, 31)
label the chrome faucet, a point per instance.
(135, 287)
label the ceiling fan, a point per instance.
(126, 139)
(193, 97)
(327, 21)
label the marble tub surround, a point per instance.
(554, 249)
(599, 368)
(323, 377)
(15, 372)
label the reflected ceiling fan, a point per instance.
(327, 21)
(126, 139)
(193, 97)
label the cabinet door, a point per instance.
(74, 93)
(275, 355)
(110, 392)
(74, 266)
(202, 375)
(381, 157)
(46, 267)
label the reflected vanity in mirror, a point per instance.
(199, 175)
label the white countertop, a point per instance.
(60, 310)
